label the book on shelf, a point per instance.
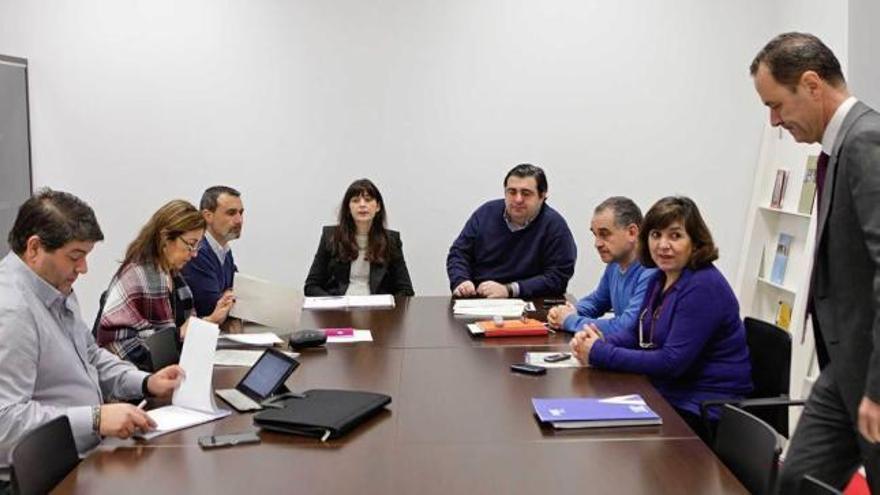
(585, 412)
(777, 272)
(783, 315)
(779, 188)
(808, 191)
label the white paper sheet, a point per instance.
(357, 336)
(266, 303)
(243, 358)
(537, 358)
(264, 339)
(506, 308)
(344, 302)
(197, 359)
(173, 418)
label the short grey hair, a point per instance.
(626, 211)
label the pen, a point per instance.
(142, 405)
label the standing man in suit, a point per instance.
(210, 274)
(800, 80)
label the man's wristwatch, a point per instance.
(509, 288)
(96, 419)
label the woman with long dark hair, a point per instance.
(359, 255)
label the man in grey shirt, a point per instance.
(50, 365)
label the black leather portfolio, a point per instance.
(322, 413)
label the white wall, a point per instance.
(134, 103)
(863, 40)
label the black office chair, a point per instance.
(43, 457)
(163, 348)
(770, 356)
(102, 301)
(812, 486)
(749, 447)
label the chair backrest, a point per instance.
(43, 457)
(749, 447)
(812, 486)
(102, 301)
(163, 348)
(770, 355)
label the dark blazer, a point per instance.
(846, 273)
(329, 275)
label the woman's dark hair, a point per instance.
(344, 239)
(683, 209)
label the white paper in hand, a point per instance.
(197, 361)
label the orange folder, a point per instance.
(513, 328)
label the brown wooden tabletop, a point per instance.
(459, 422)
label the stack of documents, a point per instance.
(346, 302)
(241, 357)
(505, 308)
(581, 412)
(347, 335)
(263, 339)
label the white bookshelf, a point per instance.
(759, 296)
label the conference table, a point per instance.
(459, 422)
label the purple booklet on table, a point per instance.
(582, 412)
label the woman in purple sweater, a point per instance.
(689, 338)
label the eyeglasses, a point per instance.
(190, 246)
(654, 317)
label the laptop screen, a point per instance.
(267, 374)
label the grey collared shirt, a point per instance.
(49, 363)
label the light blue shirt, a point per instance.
(50, 365)
(619, 291)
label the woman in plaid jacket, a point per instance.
(148, 294)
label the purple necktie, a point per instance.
(821, 170)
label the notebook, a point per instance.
(192, 403)
(323, 413)
(584, 412)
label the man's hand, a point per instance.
(557, 315)
(583, 341)
(465, 289)
(221, 310)
(492, 290)
(163, 382)
(869, 420)
(123, 420)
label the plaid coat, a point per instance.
(139, 303)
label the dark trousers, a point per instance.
(826, 443)
(706, 432)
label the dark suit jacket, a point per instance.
(329, 275)
(846, 273)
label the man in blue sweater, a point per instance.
(615, 227)
(210, 273)
(515, 247)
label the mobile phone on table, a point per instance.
(230, 440)
(528, 369)
(555, 358)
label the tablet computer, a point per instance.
(263, 380)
